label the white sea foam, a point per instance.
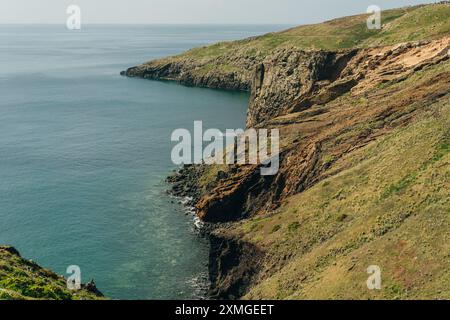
(186, 200)
(199, 224)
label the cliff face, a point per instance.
(192, 72)
(364, 151)
(321, 120)
(351, 185)
(22, 279)
(291, 80)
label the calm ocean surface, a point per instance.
(84, 153)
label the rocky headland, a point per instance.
(363, 118)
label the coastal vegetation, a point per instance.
(22, 279)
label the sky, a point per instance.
(291, 12)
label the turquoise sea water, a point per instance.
(84, 153)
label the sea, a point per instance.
(84, 153)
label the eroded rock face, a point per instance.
(233, 265)
(306, 95)
(294, 80)
(290, 80)
(320, 119)
(303, 93)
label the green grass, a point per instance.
(24, 280)
(399, 186)
(441, 151)
(399, 25)
(216, 68)
(293, 226)
(424, 23)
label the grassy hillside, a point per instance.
(398, 25)
(21, 279)
(384, 204)
(390, 208)
(230, 65)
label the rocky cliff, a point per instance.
(363, 120)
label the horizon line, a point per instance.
(154, 24)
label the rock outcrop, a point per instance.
(192, 72)
(313, 118)
(290, 80)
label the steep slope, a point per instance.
(367, 100)
(364, 166)
(22, 279)
(385, 204)
(363, 181)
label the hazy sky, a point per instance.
(189, 11)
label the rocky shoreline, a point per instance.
(231, 263)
